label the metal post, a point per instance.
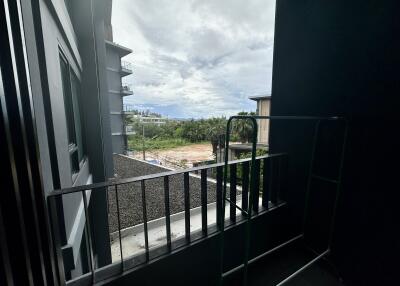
(89, 235)
(219, 197)
(266, 182)
(203, 190)
(253, 186)
(146, 232)
(55, 228)
(143, 146)
(339, 184)
(316, 129)
(252, 190)
(167, 212)
(232, 193)
(119, 228)
(187, 205)
(222, 216)
(245, 186)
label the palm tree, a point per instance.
(216, 128)
(243, 129)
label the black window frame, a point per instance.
(77, 152)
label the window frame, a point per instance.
(76, 163)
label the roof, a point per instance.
(123, 51)
(259, 97)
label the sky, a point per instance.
(196, 58)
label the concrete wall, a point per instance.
(263, 107)
(58, 35)
(113, 60)
(113, 76)
(115, 101)
(89, 65)
(54, 42)
(118, 142)
(116, 124)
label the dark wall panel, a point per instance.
(342, 58)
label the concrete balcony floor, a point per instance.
(268, 271)
(274, 268)
(133, 237)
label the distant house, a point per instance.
(263, 108)
(237, 149)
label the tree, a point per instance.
(216, 129)
(243, 129)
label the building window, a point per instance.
(71, 91)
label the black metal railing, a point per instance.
(268, 173)
(267, 194)
(126, 87)
(129, 108)
(262, 182)
(126, 66)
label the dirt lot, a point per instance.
(180, 157)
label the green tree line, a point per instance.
(190, 131)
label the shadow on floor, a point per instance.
(272, 269)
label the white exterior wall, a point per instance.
(263, 107)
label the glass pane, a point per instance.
(75, 86)
(74, 162)
(67, 100)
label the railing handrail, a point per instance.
(114, 182)
(126, 65)
(290, 117)
(265, 182)
(126, 85)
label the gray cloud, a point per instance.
(200, 58)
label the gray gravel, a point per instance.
(130, 198)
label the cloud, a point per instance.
(196, 58)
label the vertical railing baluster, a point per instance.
(204, 201)
(55, 227)
(245, 185)
(187, 205)
(144, 208)
(266, 182)
(119, 228)
(232, 192)
(274, 179)
(256, 190)
(219, 196)
(167, 212)
(283, 177)
(88, 234)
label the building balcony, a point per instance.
(126, 68)
(231, 221)
(126, 89)
(129, 109)
(129, 130)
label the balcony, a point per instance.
(242, 211)
(323, 64)
(126, 89)
(126, 68)
(129, 109)
(129, 130)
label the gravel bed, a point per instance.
(130, 197)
